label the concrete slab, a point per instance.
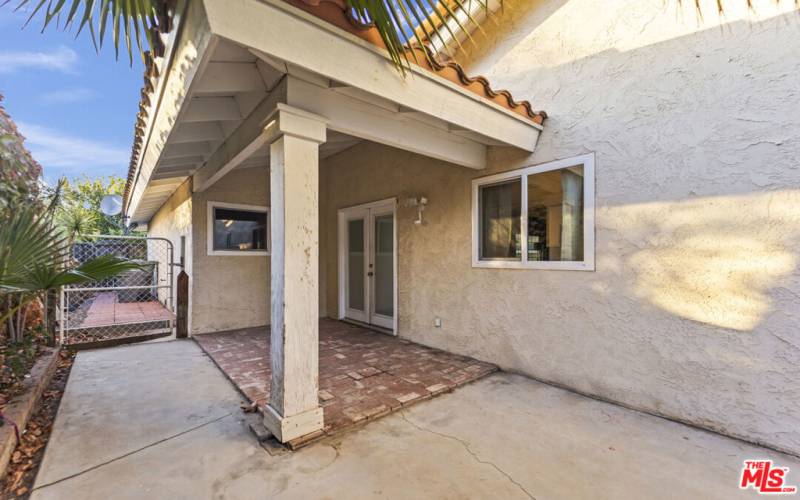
(120, 399)
(504, 436)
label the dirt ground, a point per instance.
(28, 455)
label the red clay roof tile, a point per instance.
(338, 13)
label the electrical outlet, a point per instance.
(437, 322)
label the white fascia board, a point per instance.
(190, 42)
(352, 116)
(313, 44)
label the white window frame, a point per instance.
(235, 253)
(588, 263)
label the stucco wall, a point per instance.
(693, 310)
(173, 220)
(229, 291)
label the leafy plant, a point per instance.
(19, 172)
(35, 259)
(78, 212)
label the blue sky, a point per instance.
(76, 108)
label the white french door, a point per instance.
(368, 263)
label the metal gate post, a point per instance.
(182, 323)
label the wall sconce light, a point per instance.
(420, 202)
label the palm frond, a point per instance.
(42, 275)
(77, 221)
(26, 240)
(406, 23)
(126, 18)
(105, 266)
(130, 23)
(400, 23)
(34, 257)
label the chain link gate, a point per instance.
(134, 306)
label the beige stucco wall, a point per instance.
(173, 220)
(229, 291)
(693, 310)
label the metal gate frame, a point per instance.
(132, 307)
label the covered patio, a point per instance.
(230, 100)
(363, 375)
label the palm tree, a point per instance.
(133, 24)
(35, 255)
(35, 260)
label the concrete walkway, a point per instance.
(160, 421)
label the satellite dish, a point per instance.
(111, 204)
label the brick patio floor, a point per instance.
(362, 374)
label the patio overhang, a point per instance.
(239, 87)
(224, 74)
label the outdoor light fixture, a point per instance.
(420, 202)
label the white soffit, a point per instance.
(319, 47)
(344, 77)
(229, 85)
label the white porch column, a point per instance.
(293, 409)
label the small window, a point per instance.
(539, 217)
(237, 230)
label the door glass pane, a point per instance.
(500, 221)
(555, 215)
(384, 265)
(355, 264)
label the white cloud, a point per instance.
(64, 154)
(67, 96)
(61, 59)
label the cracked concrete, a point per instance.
(465, 444)
(160, 421)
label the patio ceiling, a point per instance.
(232, 85)
(224, 75)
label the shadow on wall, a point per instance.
(726, 261)
(697, 140)
(631, 25)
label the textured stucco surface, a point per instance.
(171, 221)
(229, 291)
(693, 310)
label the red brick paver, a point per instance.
(362, 374)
